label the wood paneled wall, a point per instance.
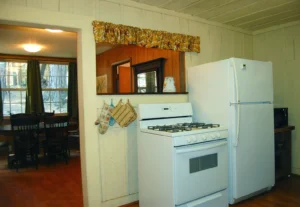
(139, 55)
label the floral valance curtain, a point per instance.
(105, 32)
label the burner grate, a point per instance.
(180, 127)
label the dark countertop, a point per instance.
(284, 129)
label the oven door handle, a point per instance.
(200, 147)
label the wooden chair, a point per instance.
(26, 139)
(56, 143)
(73, 140)
(46, 114)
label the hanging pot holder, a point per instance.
(104, 118)
(112, 120)
(124, 114)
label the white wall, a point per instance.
(112, 157)
(281, 45)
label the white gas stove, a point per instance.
(181, 163)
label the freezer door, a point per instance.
(253, 150)
(253, 80)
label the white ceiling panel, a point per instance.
(227, 8)
(262, 13)
(258, 8)
(275, 17)
(246, 14)
(205, 5)
(274, 23)
(158, 3)
(178, 5)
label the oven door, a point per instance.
(200, 170)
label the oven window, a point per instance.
(202, 163)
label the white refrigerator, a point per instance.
(238, 94)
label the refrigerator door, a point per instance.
(253, 167)
(253, 80)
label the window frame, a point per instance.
(14, 89)
(56, 89)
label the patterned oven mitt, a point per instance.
(112, 120)
(104, 118)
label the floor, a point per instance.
(59, 185)
(56, 185)
(286, 193)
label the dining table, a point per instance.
(7, 131)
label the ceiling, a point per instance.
(62, 44)
(246, 14)
(250, 15)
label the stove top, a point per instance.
(180, 127)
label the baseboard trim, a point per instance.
(130, 204)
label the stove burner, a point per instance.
(212, 125)
(196, 125)
(183, 127)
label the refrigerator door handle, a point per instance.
(237, 126)
(244, 103)
(237, 104)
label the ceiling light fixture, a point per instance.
(32, 47)
(54, 30)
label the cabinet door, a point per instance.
(283, 154)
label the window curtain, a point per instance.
(150, 82)
(120, 34)
(73, 92)
(34, 98)
(1, 104)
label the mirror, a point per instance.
(149, 76)
(130, 69)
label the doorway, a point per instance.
(122, 77)
(29, 178)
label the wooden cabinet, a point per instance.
(283, 151)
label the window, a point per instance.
(203, 163)
(54, 81)
(148, 76)
(13, 77)
(147, 82)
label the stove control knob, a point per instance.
(214, 136)
(194, 139)
(217, 135)
(205, 137)
(199, 139)
(208, 137)
(188, 139)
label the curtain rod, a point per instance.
(40, 58)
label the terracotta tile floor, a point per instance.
(57, 185)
